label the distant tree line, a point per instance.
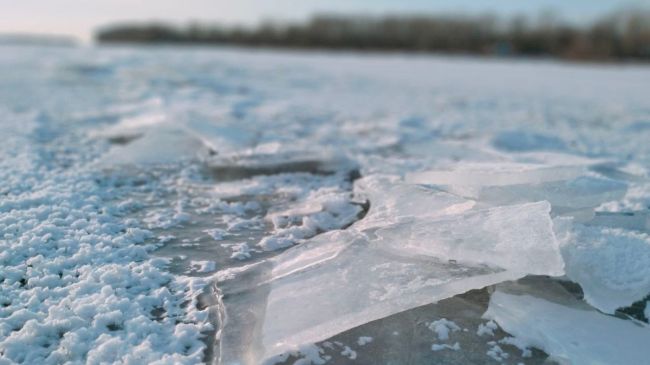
(621, 35)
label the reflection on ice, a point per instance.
(344, 279)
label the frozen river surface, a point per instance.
(183, 205)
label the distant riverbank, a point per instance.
(624, 35)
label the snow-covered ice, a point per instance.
(171, 205)
(574, 335)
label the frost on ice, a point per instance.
(260, 203)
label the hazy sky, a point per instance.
(80, 17)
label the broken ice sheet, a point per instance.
(343, 279)
(571, 189)
(502, 236)
(164, 145)
(568, 330)
(611, 265)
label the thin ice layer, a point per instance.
(568, 334)
(392, 200)
(163, 145)
(343, 279)
(571, 190)
(508, 237)
(496, 174)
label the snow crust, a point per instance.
(78, 284)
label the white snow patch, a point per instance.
(364, 340)
(349, 353)
(487, 328)
(442, 327)
(444, 346)
(203, 266)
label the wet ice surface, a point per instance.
(247, 207)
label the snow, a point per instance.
(364, 340)
(203, 266)
(486, 328)
(442, 327)
(78, 283)
(349, 353)
(241, 251)
(444, 346)
(497, 353)
(322, 210)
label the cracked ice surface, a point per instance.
(569, 330)
(346, 278)
(236, 207)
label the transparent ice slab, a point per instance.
(570, 331)
(571, 190)
(343, 279)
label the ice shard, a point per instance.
(343, 279)
(612, 265)
(569, 332)
(571, 190)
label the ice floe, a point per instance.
(575, 335)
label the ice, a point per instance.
(164, 145)
(287, 160)
(159, 138)
(610, 264)
(484, 237)
(392, 199)
(328, 190)
(219, 133)
(571, 190)
(574, 335)
(343, 279)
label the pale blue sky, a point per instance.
(80, 17)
